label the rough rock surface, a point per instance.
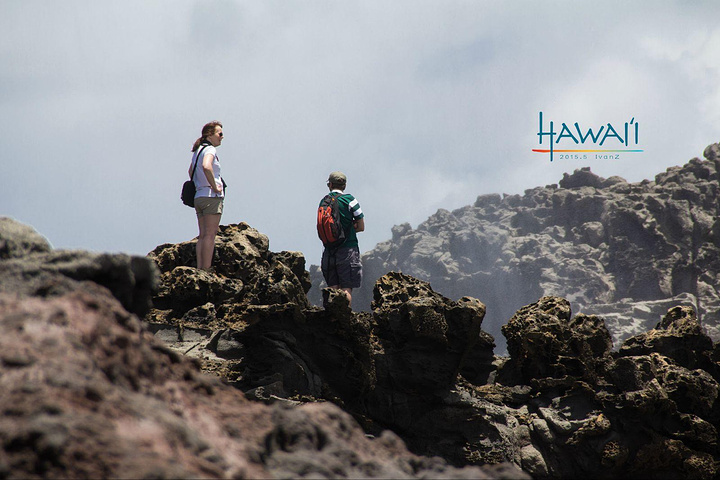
(87, 391)
(18, 240)
(650, 410)
(564, 404)
(625, 251)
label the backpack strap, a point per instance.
(196, 160)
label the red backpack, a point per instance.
(329, 226)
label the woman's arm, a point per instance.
(207, 169)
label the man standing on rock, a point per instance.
(341, 262)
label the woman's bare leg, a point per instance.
(208, 225)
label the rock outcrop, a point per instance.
(564, 404)
(88, 391)
(624, 251)
(649, 410)
(119, 366)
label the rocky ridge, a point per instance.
(563, 404)
(102, 358)
(88, 391)
(625, 251)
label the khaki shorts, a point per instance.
(208, 206)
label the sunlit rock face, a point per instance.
(625, 251)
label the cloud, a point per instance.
(423, 104)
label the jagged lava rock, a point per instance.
(649, 410)
(391, 369)
(87, 394)
(624, 251)
(425, 336)
(678, 336)
(246, 275)
(563, 405)
(544, 341)
(87, 391)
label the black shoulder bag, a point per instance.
(188, 189)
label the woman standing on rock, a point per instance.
(210, 191)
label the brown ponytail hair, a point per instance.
(207, 130)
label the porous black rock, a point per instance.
(624, 251)
(89, 390)
(566, 403)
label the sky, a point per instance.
(423, 104)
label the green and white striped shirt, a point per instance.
(349, 212)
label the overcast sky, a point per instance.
(423, 104)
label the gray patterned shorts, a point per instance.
(342, 267)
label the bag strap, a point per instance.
(196, 160)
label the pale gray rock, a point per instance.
(18, 239)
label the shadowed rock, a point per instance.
(424, 335)
(678, 336)
(657, 398)
(623, 251)
(87, 391)
(35, 270)
(563, 405)
(544, 341)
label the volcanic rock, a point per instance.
(647, 411)
(131, 280)
(304, 391)
(88, 391)
(564, 404)
(544, 341)
(624, 251)
(18, 240)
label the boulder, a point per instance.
(245, 273)
(18, 240)
(424, 335)
(582, 177)
(131, 279)
(544, 341)
(678, 336)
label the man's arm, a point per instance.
(359, 225)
